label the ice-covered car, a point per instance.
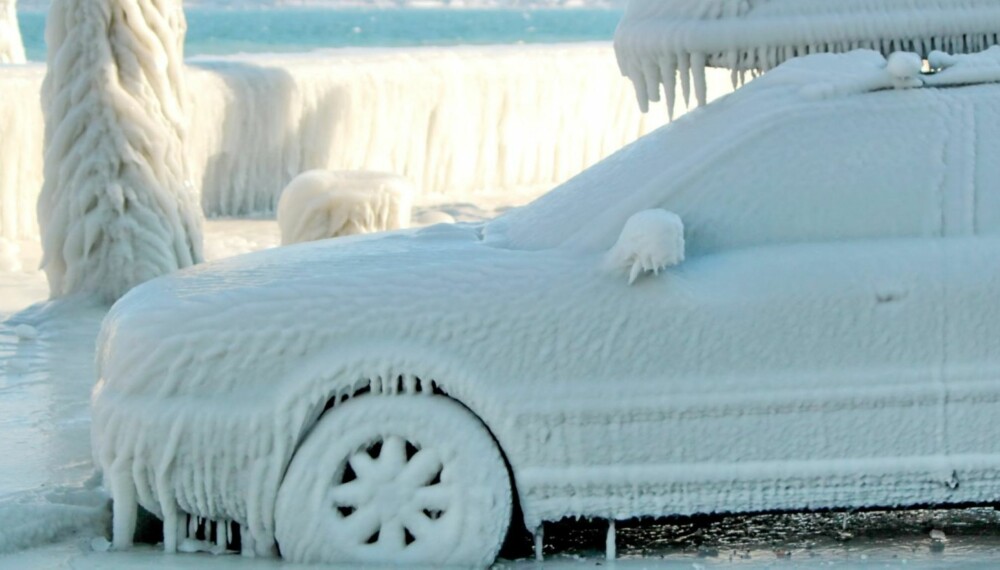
(831, 339)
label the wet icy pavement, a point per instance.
(971, 539)
(48, 495)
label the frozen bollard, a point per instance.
(321, 204)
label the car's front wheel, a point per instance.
(406, 479)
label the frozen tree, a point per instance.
(11, 48)
(116, 207)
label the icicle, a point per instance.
(651, 71)
(733, 63)
(698, 64)
(124, 508)
(220, 534)
(171, 525)
(192, 527)
(539, 542)
(684, 68)
(641, 91)
(668, 72)
(247, 543)
(611, 543)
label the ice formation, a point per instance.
(21, 135)
(829, 341)
(321, 204)
(258, 121)
(10, 255)
(661, 41)
(651, 241)
(116, 207)
(11, 47)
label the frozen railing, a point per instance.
(663, 42)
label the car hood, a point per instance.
(250, 320)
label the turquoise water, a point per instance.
(214, 31)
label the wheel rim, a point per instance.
(389, 494)
(403, 480)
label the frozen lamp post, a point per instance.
(11, 48)
(116, 208)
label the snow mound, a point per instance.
(432, 217)
(26, 332)
(661, 41)
(651, 241)
(905, 69)
(321, 204)
(41, 517)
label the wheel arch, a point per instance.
(332, 378)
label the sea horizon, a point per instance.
(220, 30)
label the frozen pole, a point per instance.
(11, 48)
(116, 207)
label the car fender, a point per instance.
(380, 368)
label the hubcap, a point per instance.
(390, 494)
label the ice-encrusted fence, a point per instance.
(457, 122)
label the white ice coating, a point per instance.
(321, 204)
(11, 47)
(821, 346)
(116, 207)
(661, 41)
(651, 241)
(456, 122)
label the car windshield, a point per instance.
(589, 209)
(812, 154)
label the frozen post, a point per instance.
(11, 48)
(116, 208)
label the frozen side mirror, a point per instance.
(652, 240)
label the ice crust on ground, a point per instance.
(321, 204)
(116, 207)
(257, 121)
(811, 302)
(659, 42)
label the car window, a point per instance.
(872, 166)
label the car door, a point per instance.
(794, 360)
(800, 348)
(973, 320)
